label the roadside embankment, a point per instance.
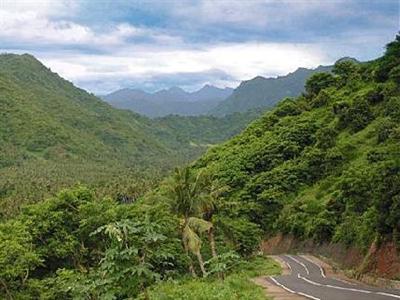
(380, 266)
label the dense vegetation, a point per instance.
(326, 165)
(99, 242)
(53, 135)
(80, 246)
(207, 130)
(265, 93)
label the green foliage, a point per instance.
(389, 61)
(130, 261)
(348, 71)
(222, 263)
(17, 256)
(326, 170)
(355, 116)
(317, 82)
(243, 234)
(206, 130)
(287, 107)
(323, 166)
(236, 285)
(54, 135)
(50, 248)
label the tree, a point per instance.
(189, 196)
(389, 61)
(17, 257)
(127, 266)
(347, 70)
(210, 206)
(318, 82)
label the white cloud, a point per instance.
(139, 53)
(240, 61)
(43, 8)
(45, 22)
(31, 28)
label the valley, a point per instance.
(131, 169)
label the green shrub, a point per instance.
(287, 107)
(317, 82)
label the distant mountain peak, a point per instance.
(173, 100)
(261, 92)
(176, 89)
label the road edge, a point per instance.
(273, 290)
(336, 271)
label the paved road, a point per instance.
(309, 280)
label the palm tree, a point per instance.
(210, 207)
(191, 239)
(189, 196)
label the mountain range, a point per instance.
(261, 92)
(168, 101)
(256, 93)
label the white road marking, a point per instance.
(389, 295)
(333, 286)
(342, 280)
(323, 272)
(300, 263)
(347, 289)
(281, 285)
(291, 291)
(289, 266)
(314, 263)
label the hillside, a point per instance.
(170, 101)
(324, 166)
(261, 92)
(53, 134)
(206, 130)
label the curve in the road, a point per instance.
(309, 280)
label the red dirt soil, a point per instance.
(383, 261)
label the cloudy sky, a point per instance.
(104, 45)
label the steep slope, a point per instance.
(261, 92)
(171, 101)
(53, 134)
(325, 166)
(206, 130)
(48, 117)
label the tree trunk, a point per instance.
(9, 296)
(191, 268)
(211, 238)
(146, 294)
(201, 263)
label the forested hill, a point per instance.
(53, 134)
(323, 166)
(261, 92)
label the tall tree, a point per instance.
(189, 195)
(212, 203)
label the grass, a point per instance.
(237, 284)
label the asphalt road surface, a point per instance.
(308, 279)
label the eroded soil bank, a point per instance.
(380, 265)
